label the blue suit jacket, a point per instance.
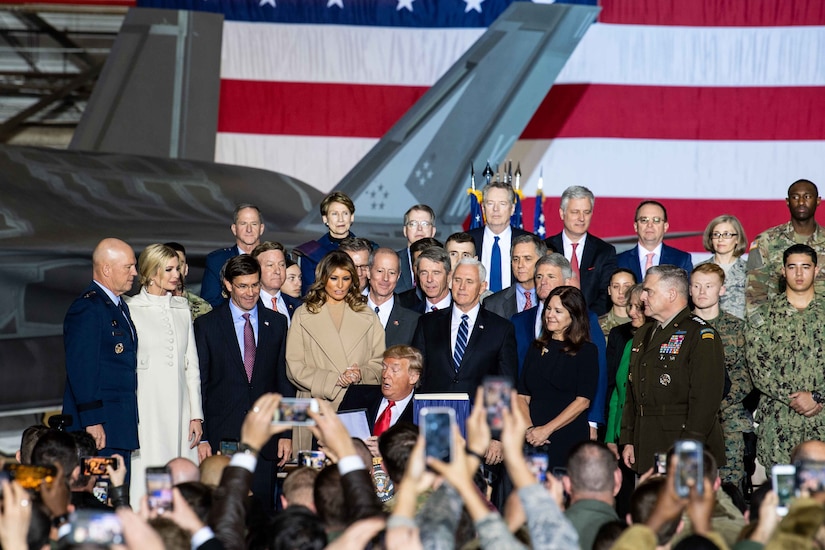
(291, 303)
(227, 394)
(525, 327)
(629, 259)
(405, 276)
(211, 284)
(101, 369)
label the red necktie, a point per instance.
(383, 422)
(248, 347)
(574, 261)
(528, 300)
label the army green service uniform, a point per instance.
(674, 388)
(735, 418)
(786, 354)
(765, 262)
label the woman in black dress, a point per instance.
(560, 375)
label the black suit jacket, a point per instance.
(227, 395)
(369, 396)
(401, 325)
(597, 265)
(478, 238)
(490, 350)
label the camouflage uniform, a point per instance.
(785, 354)
(734, 417)
(197, 305)
(765, 262)
(733, 300)
(610, 320)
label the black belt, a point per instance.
(662, 410)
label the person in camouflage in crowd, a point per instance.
(765, 254)
(785, 354)
(620, 283)
(197, 305)
(706, 288)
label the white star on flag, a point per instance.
(404, 4)
(267, 3)
(473, 5)
(339, 3)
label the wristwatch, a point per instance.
(248, 449)
(816, 396)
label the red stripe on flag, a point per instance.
(713, 13)
(568, 111)
(312, 109)
(613, 217)
(679, 112)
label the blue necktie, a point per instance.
(461, 342)
(124, 310)
(495, 267)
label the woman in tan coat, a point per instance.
(334, 340)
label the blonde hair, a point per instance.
(153, 259)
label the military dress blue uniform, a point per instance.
(101, 370)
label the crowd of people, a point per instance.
(612, 358)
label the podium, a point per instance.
(459, 402)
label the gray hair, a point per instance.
(556, 260)
(672, 277)
(530, 238)
(383, 250)
(435, 254)
(576, 192)
(482, 271)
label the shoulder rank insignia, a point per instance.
(90, 294)
(707, 334)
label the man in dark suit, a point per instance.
(101, 354)
(247, 226)
(271, 258)
(493, 241)
(399, 322)
(526, 251)
(593, 260)
(651, 225)
(432, 268)
(464, 343)
(419, 223)
(241, 348)
(392, 401)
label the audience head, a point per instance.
(359, 250)
(643, 502)
(552, 271)
(650, 224)
(433, 271)
(468, 283)
(338, 213)
(336, 280)
(159, 269)
(419, 223)
(725, 234)
(297, 527)
(395, 446)
(498, 203)
(242, 281)
(608, 534)
(271, 256)
(183, 470)
(565, 319)
(328, 495)
(298, 487)
(27, 442)
(85, 445)
(211, 469)
(198, 495)
(384, 271)
(56, 447)
(525, 251)
(592, 472)
(247, 226)
(460, 245)
(803, 200)
(576, 211)
(174, 536)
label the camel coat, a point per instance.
(316, 354)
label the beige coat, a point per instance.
(316, 354)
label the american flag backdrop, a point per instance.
(711, 106)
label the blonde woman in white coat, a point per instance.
(170, 415)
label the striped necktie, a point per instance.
(461, 342)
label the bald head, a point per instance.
(809, 450)
(212, 469)
(113, 265)
(183, 470)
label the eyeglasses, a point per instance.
(645, 220)
(415, 223)
(364, 267)
(244, 287)
(726, 235)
